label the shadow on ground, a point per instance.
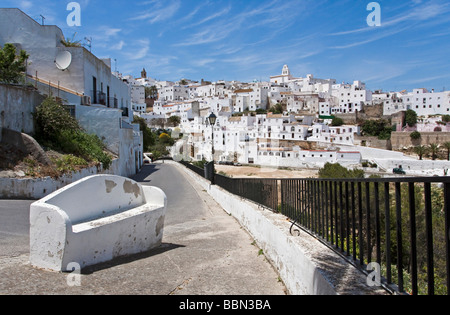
(165, 247)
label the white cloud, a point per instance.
(25, 5)
(160, 11)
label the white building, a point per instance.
(350, 97)
(334, 135)
(426, 103)
(174, 93)
(285, 76)
(98, 99)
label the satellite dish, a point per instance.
(63, 60)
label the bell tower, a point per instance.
(143, 73)
(286, 71)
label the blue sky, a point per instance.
(252, 39)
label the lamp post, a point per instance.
(212, 121)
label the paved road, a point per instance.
(204, 252)
(14, 227)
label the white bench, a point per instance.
(95, 220)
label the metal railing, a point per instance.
(261, 191)
(194, 168)
(399, 224)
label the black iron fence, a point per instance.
(194, 168)
(261, 191)
(400, 225)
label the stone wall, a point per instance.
(400, 140)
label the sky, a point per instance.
(249, 40)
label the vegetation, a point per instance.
(58, 130)
(155, 142)
(336, 122)
(447, 147)
(366, 240)
(381, 129)
(149, 137)
(151, 92)
(338, 171)
(276, 109)
(71, 42)
(434, 150)
(174, 121)
(421, 151)
(411, 118)
(415, 135)
(12, 66)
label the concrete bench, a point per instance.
(95, 220)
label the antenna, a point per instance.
(63, 60)
(43, 19)
(89, 43)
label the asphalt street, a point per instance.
(204, 252)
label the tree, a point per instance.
(151, 92)
(277, 109)
(421, 151)
(12, 66)
(411, 118)
(149, 137)
(447, 147)
(377, 128)
(337, 122)
(174, 120)
(434, 150)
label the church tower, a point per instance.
(286, 71)
(143, 73)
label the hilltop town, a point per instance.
(303, 122)
(286, 121)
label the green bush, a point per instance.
(51, 118)
(68, 163)
(12, 67)
(338, 171)
(336, 122)
(87, 146)
(56, 128)
(415, 135)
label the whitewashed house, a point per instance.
(351, 97)
(99, 100)
(334, 135)
(426, 103)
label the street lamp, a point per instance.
(212, 121)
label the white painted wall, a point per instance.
(306, 266)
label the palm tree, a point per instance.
(447, 147)
(434, 150)
(421, 150)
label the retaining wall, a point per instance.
(37, 188)
(306, 265)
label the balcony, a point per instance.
(99, 97)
